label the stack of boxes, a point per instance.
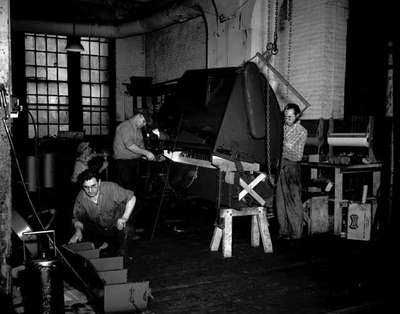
(120, 296)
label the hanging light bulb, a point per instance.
(74, 42)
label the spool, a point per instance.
(43, 288)
(348, 139)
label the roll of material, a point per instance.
(49, 169)
(348, 139)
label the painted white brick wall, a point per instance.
(175, 49)
(318, 52)
(129, 61)
(317, 56)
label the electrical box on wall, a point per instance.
(10, 104)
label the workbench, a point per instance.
(346, 170)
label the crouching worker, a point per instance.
(101, 214)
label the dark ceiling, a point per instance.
(87, 11)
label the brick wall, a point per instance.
(130, 61)
(171, 51)
(317, 56)
(317, 52)
(163, 55)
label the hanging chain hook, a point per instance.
(275, 44)
(272, 47)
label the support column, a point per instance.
(5, 156)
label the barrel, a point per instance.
(43, 288)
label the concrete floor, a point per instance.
(319, 274)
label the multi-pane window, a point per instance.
(48, 87)
(95, 85)
(47, 84)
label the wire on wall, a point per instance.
(4, 105)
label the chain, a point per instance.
(269, 21)
(290, 33)
(267, 137)
(272, 47)
(275, 47)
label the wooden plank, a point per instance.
(227, 234)
(227, 165)
(344, 168)
(264, 231)
(108, 263)
(337, 220)
(255, 233)
(216, 239)
(246, 211)
(114, 276)
(376, 183)
(248, 188)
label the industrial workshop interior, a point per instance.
(198, 156)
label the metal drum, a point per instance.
(43, 287)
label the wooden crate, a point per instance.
(359, 221)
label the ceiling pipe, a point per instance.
(176, 14)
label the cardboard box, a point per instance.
(359, 222)
(89, 253)
(108, 263)
(126, 298)
(114, 276)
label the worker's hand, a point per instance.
(121, 223)
(77, 237)
(104, 166)
(150, 155)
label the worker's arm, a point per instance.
(77, 236)
(121, 223)
(78, 214)
(141, 151)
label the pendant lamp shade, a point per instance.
(74, 42)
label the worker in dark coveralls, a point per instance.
(130, 151)
(288, 192)
(102, 213)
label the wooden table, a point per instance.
(339, 172)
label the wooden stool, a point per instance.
(259, 226)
